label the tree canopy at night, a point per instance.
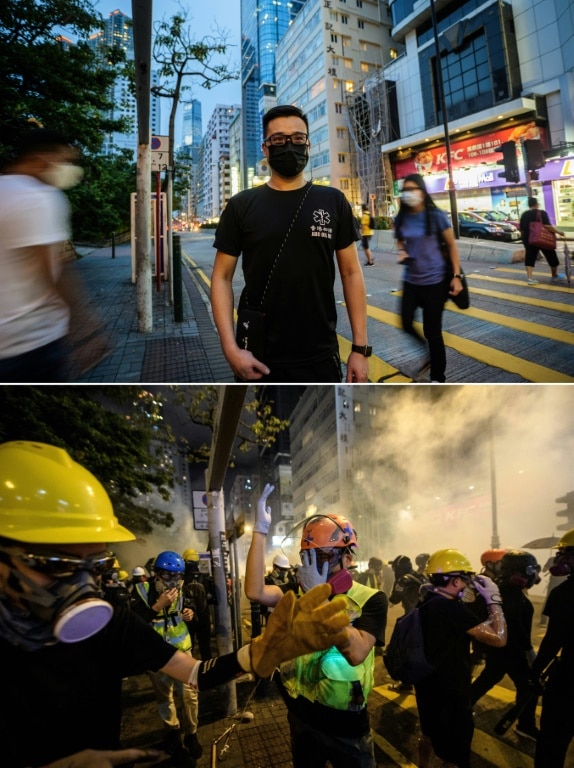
(112, 431)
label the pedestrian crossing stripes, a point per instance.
(489, 748)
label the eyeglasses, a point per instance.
(280, 139)
(166, 575)
(62, 566)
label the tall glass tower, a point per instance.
(263, 23)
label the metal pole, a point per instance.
(451, 188)
(158, 218)
(495, 541)
(177, 280)
(113, 245)
(227, 416)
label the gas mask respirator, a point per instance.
(69, 610)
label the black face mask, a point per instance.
(289, 160)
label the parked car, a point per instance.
(472, 225)
(498, 217)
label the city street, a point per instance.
(512, 332)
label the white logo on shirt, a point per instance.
(320, 229)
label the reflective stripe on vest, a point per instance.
(169, 623)
(326, 676)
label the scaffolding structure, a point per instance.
(369, 128)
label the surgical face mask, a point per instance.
(412, 197)
(62, 175)
(289, 160)
(68, 610)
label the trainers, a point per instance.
(529, 732)
(369, 264)
(555, 278)
(191, 743)
(532, 281)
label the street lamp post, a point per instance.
(440, 84)
(495, 540)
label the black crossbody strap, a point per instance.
(297, 212)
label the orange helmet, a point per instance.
(492, 556)
(325, 531)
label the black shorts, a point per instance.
(365, 240)
(531, 253)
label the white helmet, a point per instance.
(281, 561)
(138, 571)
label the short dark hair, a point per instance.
(40, 140)
(532, 201)
(284, 110)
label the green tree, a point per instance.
(258, 427)
(101, 204)
(49, 81)
(116, 432)
(181, 57)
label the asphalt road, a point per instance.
(511, 333)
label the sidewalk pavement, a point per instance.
(187, 351)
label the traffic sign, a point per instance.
(160, 143)
(159, 153)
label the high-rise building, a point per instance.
(329, 63)
(117, 32)
(191, 142)
(214, 171)
(507, 71)
(263, 24)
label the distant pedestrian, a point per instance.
(406, 588)
(34, 224)
(373, 576)
(367, 229)
(427, 282)
(535, 213)
(293, 237)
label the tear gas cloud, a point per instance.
(442, 446)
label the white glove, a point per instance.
(488, 589)
(263, 519)
(308, 574)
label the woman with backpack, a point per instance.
(429, 276)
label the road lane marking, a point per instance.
(198, 270)
(532, 289)
(488, 747)
(484, 354)
(391, 751)
(378, 368)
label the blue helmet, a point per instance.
(169, 561)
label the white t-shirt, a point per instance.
(32, 313)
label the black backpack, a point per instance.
(404, 656)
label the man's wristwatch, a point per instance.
(362, 349)
(459, 276)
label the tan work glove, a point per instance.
(297, 627)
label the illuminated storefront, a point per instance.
(475, 162)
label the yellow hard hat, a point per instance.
(47, 498)
(123, 575)
(567, 540)
(448, 561)
(190, 555)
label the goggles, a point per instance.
(168, 575)
(63, 566)
(280, 139)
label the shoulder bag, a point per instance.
(250, 331)
(539, 236)
(462, 299)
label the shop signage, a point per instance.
(466, 153)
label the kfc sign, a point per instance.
(470, 152)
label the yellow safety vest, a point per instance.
(326, 676)
(169, 623)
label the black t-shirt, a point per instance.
(66, 698)
(445, 624)
(532, 214)
(559, 636)
(300, 303)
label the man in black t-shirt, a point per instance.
(556, 721)
(531, 251)
(443, 697)
(64, 650)
(287, 232)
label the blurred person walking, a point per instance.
(420, 227)
(534, 213)
(35, 297)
